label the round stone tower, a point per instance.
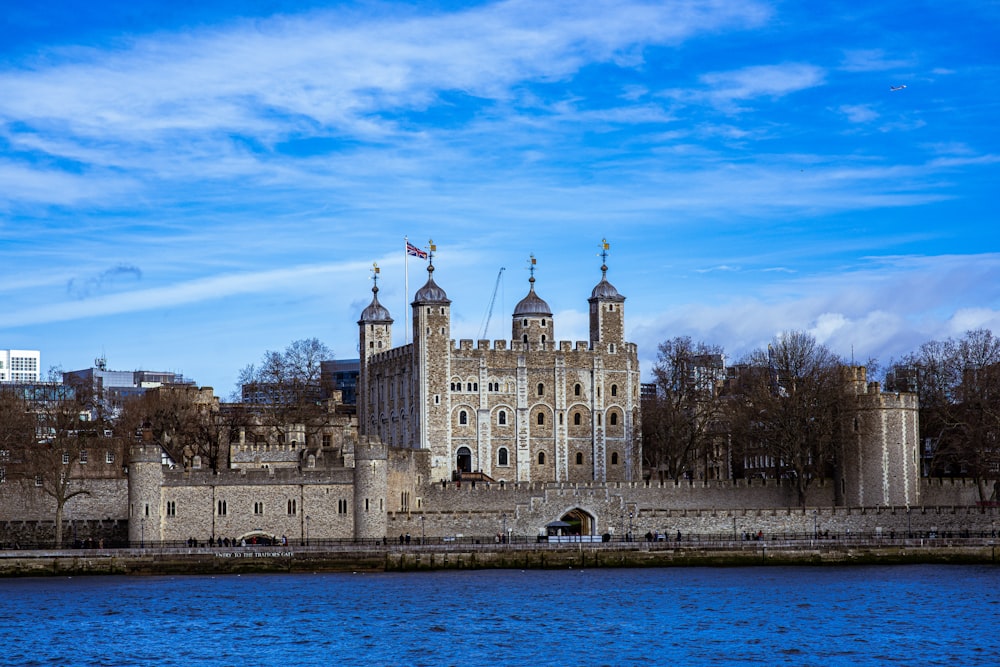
(371, 484)
(145, 481)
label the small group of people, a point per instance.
(657, 536)
(752, 536)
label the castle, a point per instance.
(536, 410)
(508, 438)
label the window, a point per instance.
(541, 418)
(65, 458)
(541, 389)
(613, 419)
(327, 440)
(598, 420)
(526, 323)
(502, 418)
(614, 390)
(171, 508)
(83, 456)
(614, 458)
(463, 417)
(3, 474)
(258, 508)
(576, 419)
(109, 457)
(221, 508)
(543, 321)
(38, 480)
(342, 506)
(292, 507)
(525, 338)
(579, 459)
(541, 458)
(577, 389)
(502, 459)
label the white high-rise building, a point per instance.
(20, 365)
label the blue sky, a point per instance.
(184, 185)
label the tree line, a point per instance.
(780, 411)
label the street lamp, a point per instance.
(504, 534)
(142, 534)
(307, 529)
(628, 537)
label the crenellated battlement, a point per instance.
(469, 345)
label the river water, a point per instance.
(902, 615)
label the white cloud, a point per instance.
(884, 308)
(724, 89)
(874, 60)
(859, 113)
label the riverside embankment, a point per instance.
(409, 558)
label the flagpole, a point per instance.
(406, 289)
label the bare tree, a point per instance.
(680, 424)
(787, 408)
(186, 421)
(50, 432)
(287, 392)
(958, 383)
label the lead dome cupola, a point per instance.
(375, 312)
(532, 305)
(430, 292)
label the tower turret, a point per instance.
(370, 488)
(432, 362)
(607, 311)
(145, 481)
(375, 335)
(531, 323)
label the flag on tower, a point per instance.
(414, 251)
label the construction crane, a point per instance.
(493, 300)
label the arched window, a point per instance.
(502, 457)
(614, 458)
(577, 389)
(576, 419)
(613, 419)
(541, 389)
(541, 418)
(541, 458)
(614, 390)
(598, 420)
(525, 338)
(502, 418)
(543, 339)
(463, 417)
(579, 458)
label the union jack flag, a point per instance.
(414, 251)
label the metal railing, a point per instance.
(698, 541)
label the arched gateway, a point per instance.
(573, 522)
